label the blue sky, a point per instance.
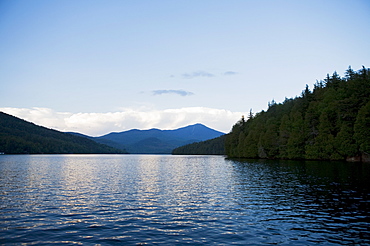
(101, 66)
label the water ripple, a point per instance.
(178, 200)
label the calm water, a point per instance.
(175, 200)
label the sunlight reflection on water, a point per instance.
(163, 199)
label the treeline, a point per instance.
(21, 137)
(331, 122)
(215, 146)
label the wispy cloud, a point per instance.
(230, 73)
(197, 74)
(178, 92)
(97, 124)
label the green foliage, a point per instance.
(296, 141)
(214, 146)
(330, 123)
(362, 128)
(21, 137)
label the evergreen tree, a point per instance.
(344, 143)
(296, 141)
(330, 123)
(284, 135)
(362, 129)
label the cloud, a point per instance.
(230, 73)
(97, 124)
(178, 92)
(197, 74)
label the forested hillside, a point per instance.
(214, 146)
(21, 137)
(331, 122)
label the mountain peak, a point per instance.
(135, 140)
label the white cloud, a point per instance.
(97, 124)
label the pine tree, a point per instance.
(362, 128)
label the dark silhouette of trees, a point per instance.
(215, 146)
(332, 122)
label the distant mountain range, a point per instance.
(18, 136)
(155, 141)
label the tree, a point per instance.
(250, 115)
(362, 128)
(330, 123)
(349, 73)
(344, 143)
(284, 135)
(269, 139)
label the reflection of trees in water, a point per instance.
(308, 196)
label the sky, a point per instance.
(100, 66)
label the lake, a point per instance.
(178, 200)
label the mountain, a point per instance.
(215, 146)
(155, 141)
(18, 136)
